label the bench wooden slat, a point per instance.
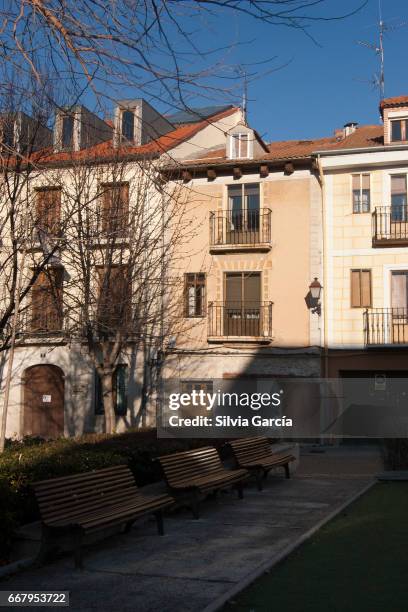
(255, 454)
(92, 501)
(199, 471)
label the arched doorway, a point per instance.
(43, 401)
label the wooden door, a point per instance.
(44, 401)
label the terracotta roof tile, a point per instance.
(106, 150)
(391, 102)
(364, 136)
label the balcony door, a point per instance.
(399, 306)
(243, 214)
(242, 304)
(398, 201)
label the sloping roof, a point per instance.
(366, 136)
(195, 115)
(105, 150)
(393, 102)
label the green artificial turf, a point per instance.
(357, 562)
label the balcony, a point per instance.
(386, 326)
(240, 321)
(390, 226)
(243, 230)
(44, 324)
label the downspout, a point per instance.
(325, 292)
(325, 275)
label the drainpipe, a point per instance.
(325, 283)
(324, 242)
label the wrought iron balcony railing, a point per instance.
(390, 225)
(240, 319)
(386, 326)
(244, 228)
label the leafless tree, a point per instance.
(120, 300)
(154, 47)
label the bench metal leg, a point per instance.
(159, 519)
(287, 470)
(78, 550)
(46, 546)
(259, 475)
(128, 526)
(195, 507)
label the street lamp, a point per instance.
(315, 290)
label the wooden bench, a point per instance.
(192, 474)
(90, 502)
(255, 455)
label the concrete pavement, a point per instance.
(197, 562)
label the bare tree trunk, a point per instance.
(107, 397)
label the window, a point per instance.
(46, 301)
(115, 209)
(128, 125)
(399, 130)
(398, 197)
(240, 146)
(67, 131)
(119, 386)
(242, 307)
(48, 210)
(194, 288)
(243, 209)
(114, 300)
(399, 290)
(360, 288)
(361, 193)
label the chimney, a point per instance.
(349, 128)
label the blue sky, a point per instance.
(323, 86)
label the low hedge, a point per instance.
(396, 454)
(32, 459)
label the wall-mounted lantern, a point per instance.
(313, 297)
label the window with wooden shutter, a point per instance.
(48, 211)
(194, 294)
(46, 301)
(115, 209)
(360, 288)
(114, 301)
(398, 197)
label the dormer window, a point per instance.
(67, 132)
(240, 145)
(399, 130)
(128, 125)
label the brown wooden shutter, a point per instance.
(356, 182)
(360, 288)
(365, 288)
(114, 303)
(355, 289)
(48, 210)
(46, 301)
(252, 288)
(115, 207)
(233, 289)
(365, 181)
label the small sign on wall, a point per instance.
(380, 382)
(46, 399)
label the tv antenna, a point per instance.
(378, 80)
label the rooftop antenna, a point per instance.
(378, 80)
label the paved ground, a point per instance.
(197, 561)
